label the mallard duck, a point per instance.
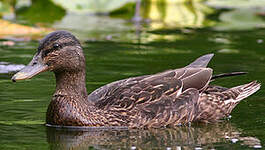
(171, 98)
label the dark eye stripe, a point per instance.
(47, 51)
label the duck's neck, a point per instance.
(71, 83)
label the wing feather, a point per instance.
(198, 80)
(139, 91)
(167, 112)
(201, 62)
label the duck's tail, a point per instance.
(215, 110)
(241, 92)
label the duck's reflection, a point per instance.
(206, 136)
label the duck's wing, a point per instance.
(131, 92)
(167, 112)
(197, 68)
(107, 89)
(126, 94)
(201, 62)
(148, 89)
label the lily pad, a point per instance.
(39, 12)
(240, 19)
(236, 3)
(91, 6)
(98, 27)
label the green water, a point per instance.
(114, 51)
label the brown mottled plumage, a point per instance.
(169, 98)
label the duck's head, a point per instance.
(59, 51)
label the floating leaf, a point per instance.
(39, 12)
(91, 6)
(240, 19)
(236, 3)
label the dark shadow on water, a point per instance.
(223, 135)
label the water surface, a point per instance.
(119, 49)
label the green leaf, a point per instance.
(91, 6)
(47, 12)
(236, 3)
(240, 19)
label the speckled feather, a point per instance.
(170, 98)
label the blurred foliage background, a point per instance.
(87, 18)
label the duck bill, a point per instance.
(35, 67)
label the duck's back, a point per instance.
(164, 97)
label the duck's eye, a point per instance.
(56, 46)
